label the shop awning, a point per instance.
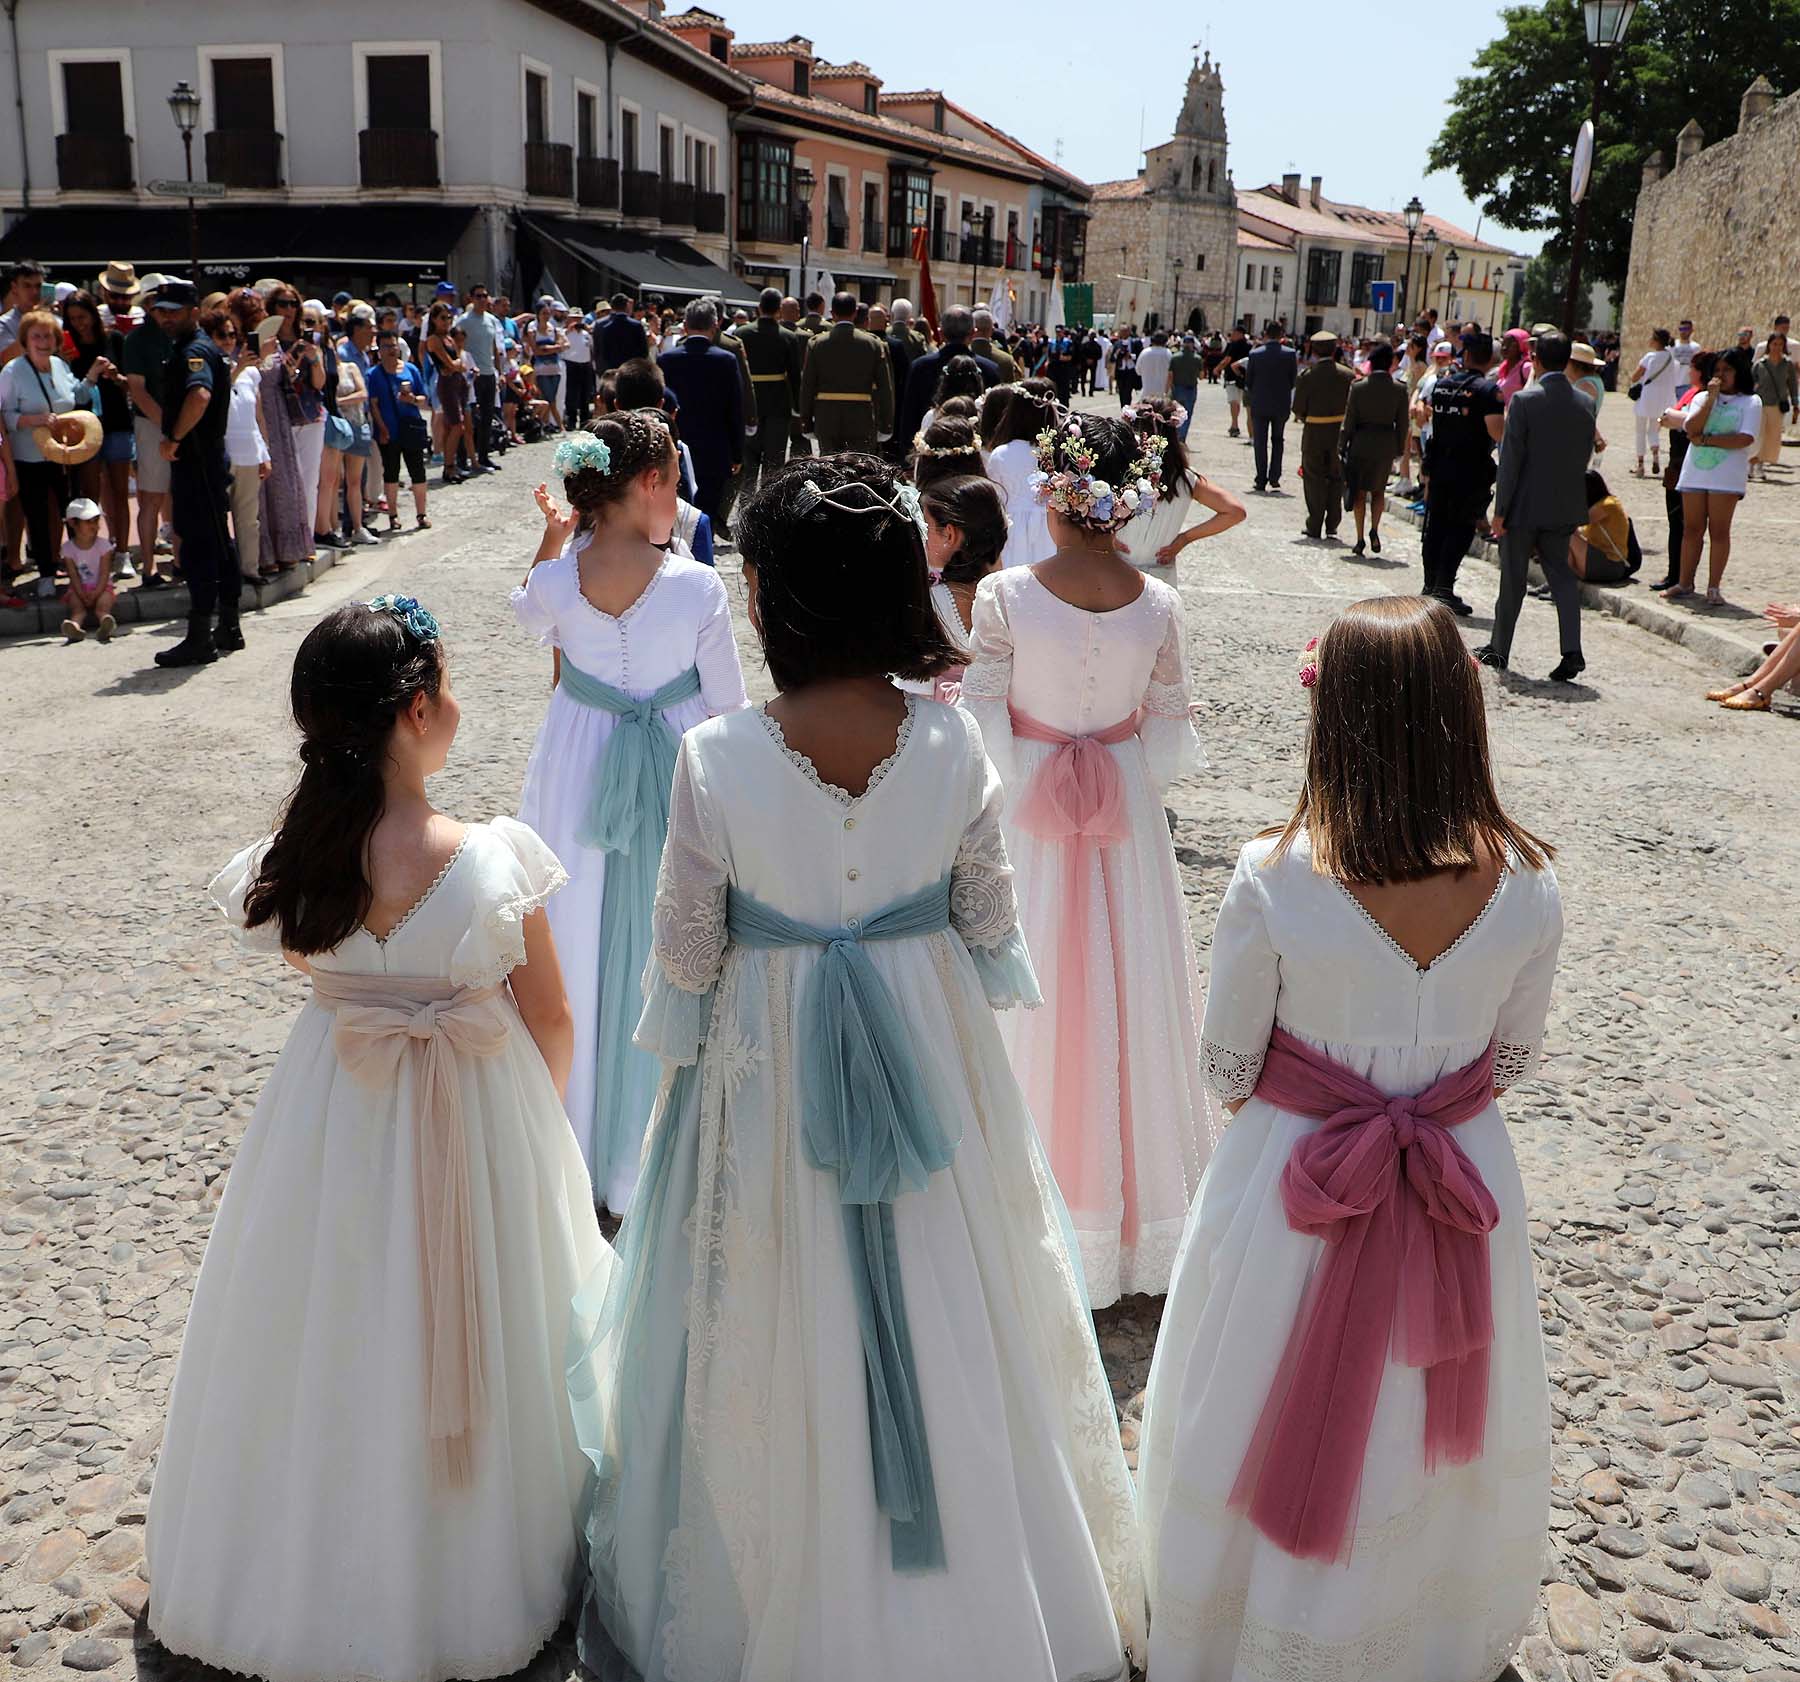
(242, 242)
(641, 262)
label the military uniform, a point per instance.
(776, 355)
(1002, 359)
(846, 390)
(1321, 394)
(200, 494)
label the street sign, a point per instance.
(1381, 296)
(1583, 166)
(186, 189)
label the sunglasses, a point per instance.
(284, 303)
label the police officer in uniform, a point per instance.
(776, 355)
(196, 400)
(1467, 419)
(847, 386)
(1320, 395)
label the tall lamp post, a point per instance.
(1605, 22)
(973, 254)
(803, 192)
(1413, 213)
(1452, 257)
(184, 106)
(1428, 245)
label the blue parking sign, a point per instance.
(1381, 296)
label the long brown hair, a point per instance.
(1398, 782)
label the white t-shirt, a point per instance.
(1704, 469)
(579, 346)
(1437, 333)
(1153, 370)
(244, 442)
(1684, 354)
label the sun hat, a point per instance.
(1586, 355)
(120, 279)
(69, 439)
(82, 508)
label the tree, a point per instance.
(1511, 129)
(1546, 284)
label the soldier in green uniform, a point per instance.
(812, 324)
(1320, 396)
(847, 386)
(775, 355)
(982, 343)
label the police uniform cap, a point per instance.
(174, 294)
(1322, 337)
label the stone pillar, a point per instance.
(1653, 169)
(1758, 98)
(1690, 142)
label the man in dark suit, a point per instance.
(618, 338)
(1269, 372)
(710, 390)
(921, 379)
(1540, 499)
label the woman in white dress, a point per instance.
(1656, 377)
(1080, 685)
(1154, 536)
(1343, 1476)
(370, 1469)
(844, 1401)
(644, 651)
(1012, 417)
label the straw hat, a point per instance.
(69, 439)
(1586, 355)
(120, 277)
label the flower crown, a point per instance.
(921, 448)
(1065, 481)
(1142, 412)
(421, 621)
(1309, 663)
(810, 503)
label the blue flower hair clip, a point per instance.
(582, 452)
(421, 621)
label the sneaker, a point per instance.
(124, 567)
(365, 539)
(330, 540)
(71, 631)
(107, 625)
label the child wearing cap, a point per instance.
(90, 592)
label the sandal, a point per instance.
(1375, 539)
(1753, 700)
(1726, 694)
(393, 521)
(1678, 592)
(423, 523)
(1715, 597)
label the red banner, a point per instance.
(926, 302)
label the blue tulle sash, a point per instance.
(867, 1118)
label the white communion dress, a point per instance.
(1011, 468)
(673, 645)
(370, 1469)
(1155, 527)
(821, 993)
(1111, 1065)
(1442, 1567)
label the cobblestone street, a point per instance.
(1658, 1143)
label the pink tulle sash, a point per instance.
(1077, 790)
(1406, 1217)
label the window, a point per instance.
(587, 124)
(1365, 266)
(628, 138)
(94, 97)
(802, 78)
(1278, 283)
(1265, 277)
(909, 207)
(1322, 274)
(871, 215)
(1212, 176)
(1200, 262)
(765, 195)
(537, 108)
(702, 163)
(719, 47)
(837, 210)
(1249, 277)
(871, 100)
(399, 91)
(243, 94)
(665, 150)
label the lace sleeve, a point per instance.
(987, 680)
(983, 909)
(1171, 746)
(1232, 1075)
(1519, 1031)
(1514, 1062)
(688, 922)
(1242, 990)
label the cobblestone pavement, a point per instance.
(1657, 1145)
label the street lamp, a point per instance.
(1451, 258)
(1605, 22)
(1413, 213)
(184, 107)
(1429, 245)
(974, 257)
(1175, 313)
(803, 192)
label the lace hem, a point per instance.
(1113, 1271)
(809, 771)
(1231, 1075)
(1515, 1061)
(1166, 700)
(987, 680)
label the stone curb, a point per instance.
(1708, 638)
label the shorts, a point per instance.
(396, 451)
(453, 396)
(118, 446)
(152, 470)
(362, 444)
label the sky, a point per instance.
(1105, 90)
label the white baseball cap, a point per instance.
(82, 508)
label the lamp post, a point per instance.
(974, 257)
(1452, 257)
(1605, 22)
(1175, 313)
(184, 106)
(803, 192)
(1428, 245)
(1413, 213)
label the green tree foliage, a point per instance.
(1546, 285)
(1511, 130)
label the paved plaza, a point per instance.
(1658, 1143)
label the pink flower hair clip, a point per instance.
(1309, 664)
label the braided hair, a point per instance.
(637, 440)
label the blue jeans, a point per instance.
(1186, 396)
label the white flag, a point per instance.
(1000, 303)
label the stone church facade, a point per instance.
(1162, 247)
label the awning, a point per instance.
(243, 241)
(641, 262)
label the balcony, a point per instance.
(244, 157)
(837, 233)
(1017, 256)
(94, 163)
(943, 245)
(399, 157)
(899, 241)
(709, 213)
(549, 170)
(980, 251)
(871, 233)
(640, 193)
(597, 183)
(676, 202)
(761, 222)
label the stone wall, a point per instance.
(1717, 238)
(1142, 235)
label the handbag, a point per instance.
(339, 434)
(1636, 389)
